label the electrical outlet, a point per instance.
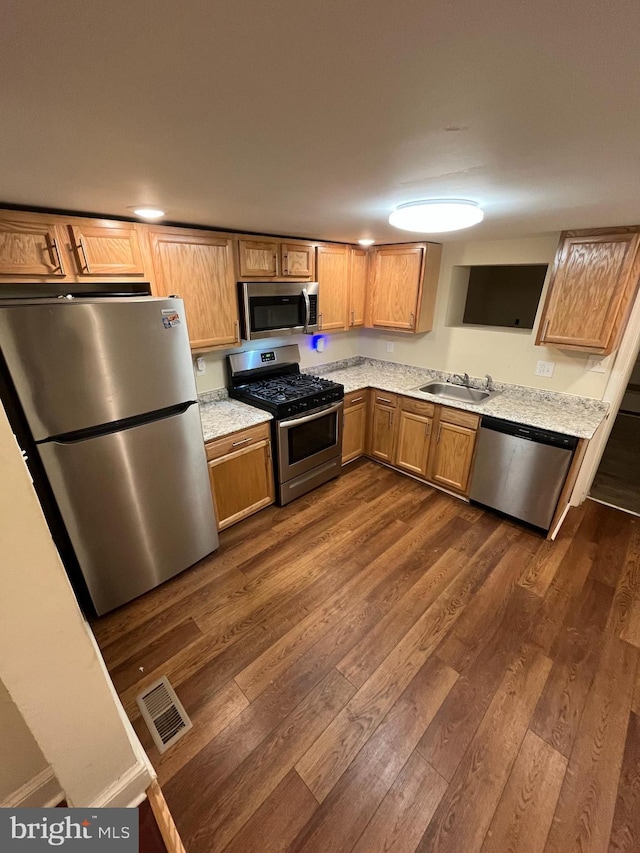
(596, 364)
(201, 365)
(545, 368)
(389, 346)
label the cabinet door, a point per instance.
(591, 290)
(297, 259)
(30, 246)
(383, 432)
(414, 433)
(258, 258)
(333, 280)
(451, 457)
(105, 248)
(354, 426)
(242, 483)
(397, 278)
(357, 286)
(199, 268)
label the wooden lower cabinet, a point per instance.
(241, 474)
(383, 428)
(451, 456)
(354, 428)
(414, 438)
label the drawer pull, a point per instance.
(244, 441)
(384, 400)
(356, 400)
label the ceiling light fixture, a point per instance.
(366, 242)
(148, 212)
(436, 215)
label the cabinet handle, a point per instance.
(390, 418)
(353, 317)
(412, 320)
(236, 330)
(285, 259)
(356, 400)
(82, 248)
(384, 400)
(237, 443)
(427, 430)
(439, 431)
(52, 246)
(320, 321)
(545, 328)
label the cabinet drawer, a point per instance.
(382, 398)
(355, 398)
(418, 407)
(244, 438)
(456, 416)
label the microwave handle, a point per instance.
(307, 305)
(319, 413)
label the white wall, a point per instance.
(22, 758)
(49, 662)
(509, 355)
(337, 347)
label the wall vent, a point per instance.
(163, 713)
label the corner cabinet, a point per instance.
(404, 283)
(241, 474)
(358, 264)
(198, 267)
(591, 291)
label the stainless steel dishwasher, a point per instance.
(520, 470)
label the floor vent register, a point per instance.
(163, 713)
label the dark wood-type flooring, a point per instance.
(618, 479)
(379, 666)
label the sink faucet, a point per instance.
(464, 380)
(489, 382)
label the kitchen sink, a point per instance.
(461, 393)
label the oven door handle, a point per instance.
(307, 307)
(303, 419)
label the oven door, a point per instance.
(272, 309)
(309, 440)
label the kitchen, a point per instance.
(510, 356)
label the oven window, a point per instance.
(310, 438)
(276, 312)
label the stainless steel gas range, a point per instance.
(307, 410)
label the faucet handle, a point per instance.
(489, 382)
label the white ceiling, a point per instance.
(316, 117)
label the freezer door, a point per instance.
(136, 504)
(81, 363)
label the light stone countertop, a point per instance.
(223, 416)
(565, 413)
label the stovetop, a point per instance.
(289, 394)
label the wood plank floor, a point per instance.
(381, 667)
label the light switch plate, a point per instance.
(201, 365)
(545, 368)
(389, 346)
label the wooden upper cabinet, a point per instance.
(258, 258)
(105, 248)
(198, 267)
(297, 260)
(358, 260)
(333, 280)
(404, 286)
(592, 287)
(31, 245)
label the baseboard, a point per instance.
(127, 791)
(43, 791)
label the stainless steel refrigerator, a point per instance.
(103, 400)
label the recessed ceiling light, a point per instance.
(148, 212)
(366, 242)
(436, 215)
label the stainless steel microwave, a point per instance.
(270, 309)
